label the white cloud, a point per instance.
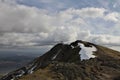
(106, 39)
(20, 18)
(91, 12)
(21, 25)
(86, 12)
(112, 17)
(41, 39)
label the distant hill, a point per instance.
(79, 60)
(11, 61)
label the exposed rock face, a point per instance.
(65, 62)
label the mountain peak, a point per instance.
(79, 57)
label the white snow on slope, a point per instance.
(72, 47)
(56, 54)
(21, 73)
(86, 52)
(31, 70)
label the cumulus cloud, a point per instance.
(106, 40)
(112, 16)
(20, 18)
(22, 25)
(90, 12)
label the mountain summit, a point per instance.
(78, 60)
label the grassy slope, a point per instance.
(104, 70)
(41, 74)
(108, 52)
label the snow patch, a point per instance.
(31, 70)
(21, 73)
(72, 47)
(56, 54)
(86, 52)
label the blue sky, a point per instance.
(112, 5)
(35, 23)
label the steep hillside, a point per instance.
(79, 60)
